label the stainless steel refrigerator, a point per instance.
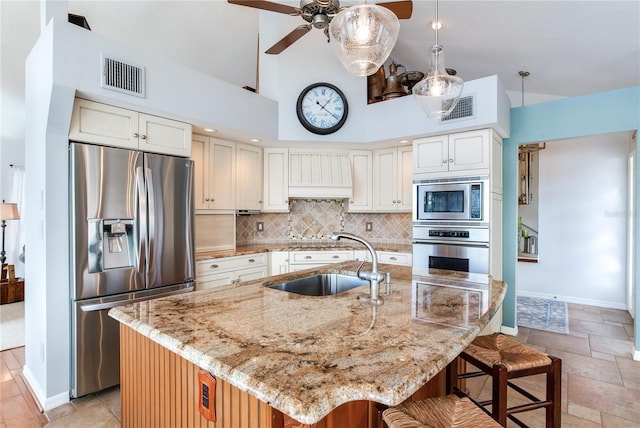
(132, 239)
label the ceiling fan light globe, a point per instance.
(362, 37)
(438, 93)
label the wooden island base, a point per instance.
(160, 389)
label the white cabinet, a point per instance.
(388, 257)
(278, 262)
(299, 260)
(230, 270)
(466, 153)
(98, 123)
(214, 173)
(276, 180)
(248, 177)
(362, 174)
(495, 236)
(393, 179)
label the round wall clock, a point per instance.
(322, 108)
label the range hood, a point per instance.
(319, 174)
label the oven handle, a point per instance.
(456, 243)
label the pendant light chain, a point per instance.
(523, 74)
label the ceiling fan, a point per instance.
(318, 14)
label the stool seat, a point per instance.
(449, 411)
(500, 349)
(503, 359)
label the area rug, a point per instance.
(543, 314)
(11, 325)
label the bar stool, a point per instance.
(504, 358)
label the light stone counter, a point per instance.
(307, 355)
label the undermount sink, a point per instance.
(320, 285)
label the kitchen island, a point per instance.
(283, 359)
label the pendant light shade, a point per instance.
(438, 93)
(363, 36)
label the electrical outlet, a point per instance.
(369, 226)
(260, 226)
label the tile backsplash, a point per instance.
(310, 220)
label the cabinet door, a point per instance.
(200, 157)
(405, 179)
(222, 173)
(103, 124)
(215, 280)
(166, 136)
(469, 150)
(251, 274)
(385, 180)
(431, 154)
(276, 180)
(392, 258)
(362, 168)
(279, 262)
(248, 177)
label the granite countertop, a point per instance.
(306, 356)
(242, 250)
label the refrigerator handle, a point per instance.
(142, 220)
(151, 216)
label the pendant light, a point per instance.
(438, 93)
(363, 36)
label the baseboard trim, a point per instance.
(636, 354)
(575, 300)
(511, 331)
(45, 403)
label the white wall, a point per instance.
(582, 223)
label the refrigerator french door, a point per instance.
(131, 240)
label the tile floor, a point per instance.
(600, 381)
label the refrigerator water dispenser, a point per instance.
(111, 244)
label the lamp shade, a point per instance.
(362, 37)
(9, 211)
(438, 93)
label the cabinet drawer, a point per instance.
(215, 280)
(314, 257)
(205, 267)
(391, 258)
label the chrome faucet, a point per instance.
(374, 277)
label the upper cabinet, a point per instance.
(276, 180)
(362, 173)
(466, 153)
(214, 173)
(248, 177)
(393, 179)
(107, 125)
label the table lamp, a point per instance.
(8, 211)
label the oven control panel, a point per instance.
(449, 234)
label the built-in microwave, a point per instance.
(463, 199)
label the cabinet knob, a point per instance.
(350, 201)
(259, 202)
(450, 160)
(444, 161)
(136, 135)
(144, 137)
(251, 260)
(206, 199)
(335, 257)
(214, 266)
(399, 201)
(213, 199)
(307, 257)
(392, 258)
(395, 201)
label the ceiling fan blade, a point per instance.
(267, 5)
(402, 9)
(289, 39)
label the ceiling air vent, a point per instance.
(122, 77)
(462, 110)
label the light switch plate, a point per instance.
(260, 226)
(369, 226)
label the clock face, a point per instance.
(322, 108)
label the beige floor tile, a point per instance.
(630, 372)
(570, 421)
(580, 314)
(94, 415)
(523, 334)
(9, 389)
(584, 412)
(16, 413)
(563, 342)
(10, 360)
(604, 397)
(582, 365)
(595, 309)
(615, 315)
(18, 353)
(629, 329)
(611, 346)
(60, 411)
(588, 327)
(5, 373)
(603, 356)
(611, 421)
